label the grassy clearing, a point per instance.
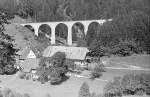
(134, 60)
(69, 88)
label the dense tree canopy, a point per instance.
(57, 10)
(129, 28)
(7, 50)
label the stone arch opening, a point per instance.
(93, 30)
(61, 34)
(29, 27)
(44, 32)
(78, 34)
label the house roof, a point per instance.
(25, 53)
(75, 53)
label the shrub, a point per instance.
(126, 48)
(70, 64)
(146, 82)
(21, 75)
(97, 71)
(58, 59)
(84, 90)
(58, 68)
(113, 89)
(42, 72)
(1, 71)
(9, 69)
(28, 76)
(55, 79)
(52, 69)
(131, 84)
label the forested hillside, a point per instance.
(128, 33)
(57, 10)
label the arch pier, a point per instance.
(69, 25)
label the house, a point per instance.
(27, 61)
(72, 53)
(29, 67)
(30, 64)
(26, 53)
(75, 54)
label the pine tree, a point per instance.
(84, 90)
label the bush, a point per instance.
(58, 67)
(113, 89)
(97, 71)
(126, 48)
(70, 64)
(55, 78)
(58, 59)
(28, 76)
(21, 75)
(52, 69)
(132, 84)
(42, 72)
(146, 82)
(1, 71)
(9, 69)
(84, 90)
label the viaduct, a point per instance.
(69, 25)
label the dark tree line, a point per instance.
(129, 28)
(57, 10)
(7, 50)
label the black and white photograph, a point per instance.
(74, 48)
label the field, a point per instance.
(69, 88)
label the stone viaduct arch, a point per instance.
(78, 31)
(69, 24)
(61, 31)
(44, 29)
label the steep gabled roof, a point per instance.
(26, 53)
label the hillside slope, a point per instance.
(25, 38)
